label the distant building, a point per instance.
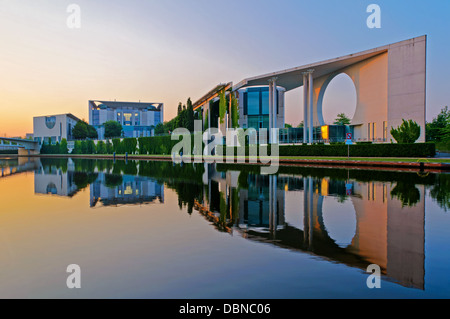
(137, 119)
(53, 128)
(132, 190)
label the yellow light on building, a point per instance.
(324, 187)
(325, 132)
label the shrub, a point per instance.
(128, 145)
(101, 147)
(407, 133)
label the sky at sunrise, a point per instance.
(169, 50)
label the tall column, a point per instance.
(311, 105)
(203, 108)
(274, 110)
(270, 204)
(274, 205)
(270, 109)
(311, 212)
(305, 212)
(229, 125)
(209, 114)
(305, 107)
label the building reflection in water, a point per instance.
(122, 190)
(384, 214)
(107, 187)
(387, 231)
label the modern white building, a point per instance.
(137, 119)
(53, 128)
(390, 84)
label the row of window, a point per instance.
(125, 118)
(372, 131)
(371, 192)
(256, 101)
(48, 139)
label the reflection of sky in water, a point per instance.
(339, 220)
(161, 251)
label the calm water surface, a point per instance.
(158, 230)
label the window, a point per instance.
(245, 103)
(127, 118)
(265, 102)
(157, 118)
(369, 136)
(136, 119)
(253, 103)
(95, 117)
(384, 131)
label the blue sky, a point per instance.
(169, 50)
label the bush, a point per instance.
(51, 149)
(407, 133)
(358, 150)
(101, 147)
(117, 146)
(129, 145)
(158, 145)
(362, 150)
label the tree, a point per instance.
(342, 119)
(287, 125)
(80, 130)
(301, 125)
(437, 129)
(222, 106)
(112, 129)
(179, 108)
(63, 149)
(234, 112)
(408, 132)
(91, 132)
(101, 147)
(159, 129)
(83, 130)
(189, 117)
(205, 125)
(90, 147)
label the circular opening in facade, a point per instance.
(340, 97)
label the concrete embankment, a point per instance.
(366, 163)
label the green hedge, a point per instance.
(362, 150)
(163, 145)
(358, 150)
(8, 152)
(159, 145)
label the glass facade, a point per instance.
(127, 119)
(321, 134)
(256, 107)
(95, 117)
(137, 119)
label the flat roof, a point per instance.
(122, 104)
(293, 78)
(73, 117)
(212, 94)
